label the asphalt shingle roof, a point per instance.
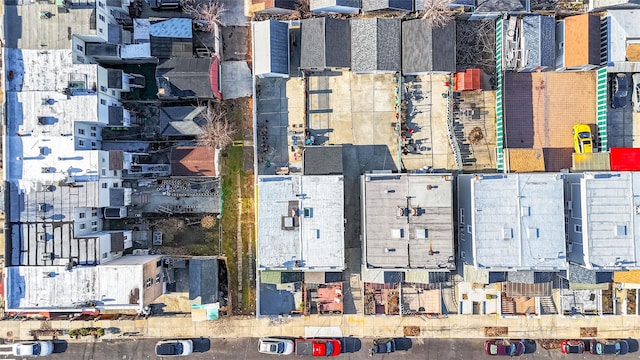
(189, 77)
(326, 43)
(428, 49)
(323, 160)
(375, 45)
(499, 6)
(378, 5)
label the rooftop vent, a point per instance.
(288, 223)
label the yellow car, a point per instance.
(582, 139)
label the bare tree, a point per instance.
(217, 132)
(437, 13)
(302, 11)
(207, 15)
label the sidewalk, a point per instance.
(456, 326)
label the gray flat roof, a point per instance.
(409, 241)
(610, 217)
(517, 221)
(301, 222)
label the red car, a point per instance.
(504, 348)
(318, 347)
(572, 346)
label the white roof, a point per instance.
(315, 241)
(46, 70)
(623, 26)
(136, 51)
(517, 221)
(52, 288)
(141, 30)
(173, 28)
(611, 216)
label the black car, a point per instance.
(615, 347)
(383, 346)
(619, 91)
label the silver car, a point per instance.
(636, 92)
(275, 346)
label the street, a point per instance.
(234, 349)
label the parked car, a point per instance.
(33, 348)
(572, 346)
(174, 347)
(383, 346)
(318, 347)
(582, 139)
(616, 347)
(636, 92)
(619, 91)
(275, 346)
(504, 348)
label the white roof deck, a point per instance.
(517, 221)
(47, 70)
(610, 216)
(315, 241)
(112, 286)
(37, 91)
(414, 241)
(623, 29)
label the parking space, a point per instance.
(623, 124)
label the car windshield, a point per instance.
(36, 349)
(584, 135)
(574, 349)
(512, 349)
(280, 348)
(329, 346)
(493, 349)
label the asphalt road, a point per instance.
(237, 349)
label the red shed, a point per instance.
(468, 80)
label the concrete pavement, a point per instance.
(455, 326)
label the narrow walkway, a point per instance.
(239, 243)
(454, 326)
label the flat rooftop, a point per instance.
(408, 221)
(24, 29)
(610, 215)
(301, 222)
(53, 288)
(42, 224)
(517, 221)
(42, 122)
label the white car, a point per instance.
(33, 348)
(174, 347)
(275, 346)
(635, 98)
